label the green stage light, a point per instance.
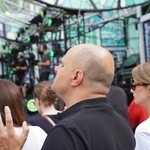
(9, 51)
(11, 72)
(51, 53)
(24, 28)
(28, 38)
(49, 22)
(31, 105)
(42, 13)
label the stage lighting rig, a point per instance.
(32, 38)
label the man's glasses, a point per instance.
(133, 84)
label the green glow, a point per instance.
(10, 51)
(11, 72)
(51, 53)
(49, 22)
(28, 38)
(31, 105)
(42, 13)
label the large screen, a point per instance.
(147, 40)
(1, 30)
(113, 34)
(11, 32)
(120, 56)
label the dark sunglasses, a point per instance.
(133, 84)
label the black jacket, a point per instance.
(90, 125)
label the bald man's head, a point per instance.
(96, 62)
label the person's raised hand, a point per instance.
(9, 140)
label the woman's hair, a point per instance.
(44, 93)
(141, 73)
(10, 95)
(44, 46)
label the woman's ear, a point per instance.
(37, 101)
(148, 93)
(77, 77)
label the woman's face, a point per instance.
(141, 93)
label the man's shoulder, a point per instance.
(46, 55)
(83, 116)
(72, 119)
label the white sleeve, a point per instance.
(35, 139)
(142, 138)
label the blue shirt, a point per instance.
(43, 122)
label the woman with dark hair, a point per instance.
(12, 97)
(141, 92)
(45, 99)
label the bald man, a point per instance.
(82, 80)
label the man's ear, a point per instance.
(77, 77)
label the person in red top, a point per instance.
(137, 114)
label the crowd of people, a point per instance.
(95, 116)
(23, 71)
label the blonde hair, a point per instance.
(44, 93)
(141, 73)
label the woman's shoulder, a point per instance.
(144, 126)
(35, 119)
(34, 131)
(35, 139)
